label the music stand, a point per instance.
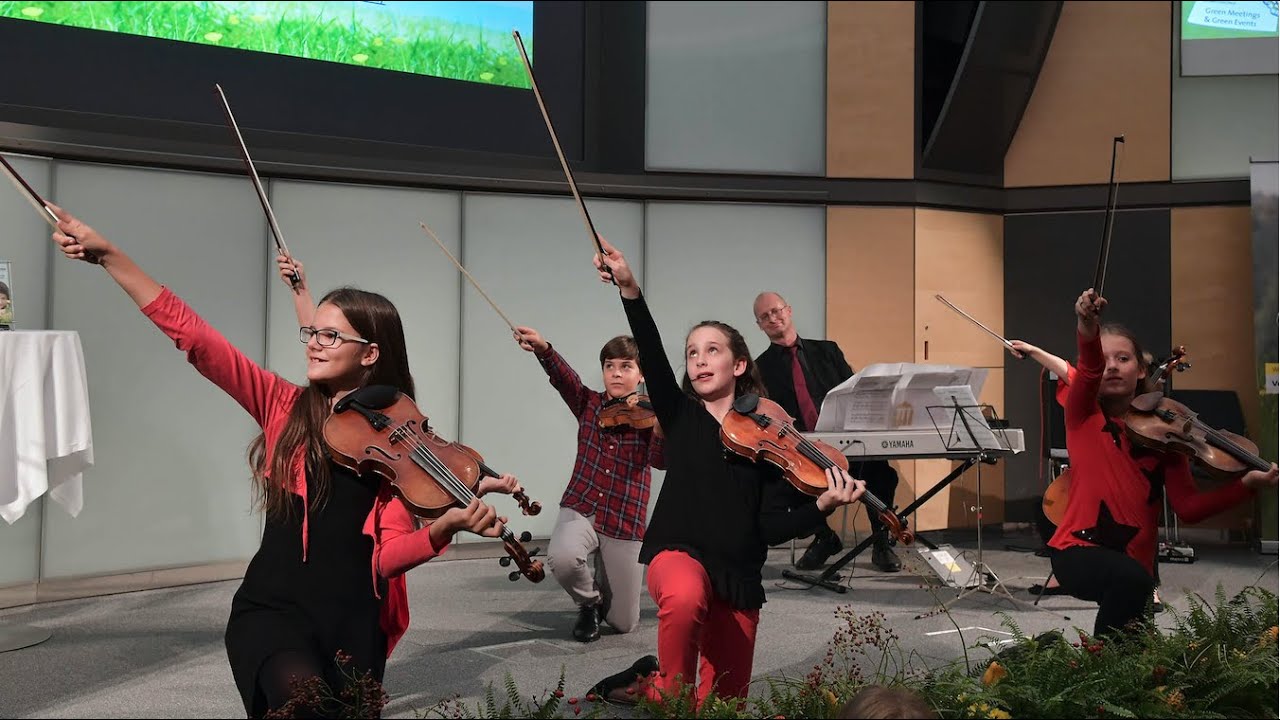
(961, 436)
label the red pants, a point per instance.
(693, 622)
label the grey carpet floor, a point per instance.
(160, 653)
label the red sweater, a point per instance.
(1108, 472)
(398, 545)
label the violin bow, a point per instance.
(973, 320)
(295, 281)
(564, 164)
(31, 196)
(1113, 191)
(484, 294)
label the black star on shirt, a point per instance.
(1107, 532)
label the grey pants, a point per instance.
(618, 572)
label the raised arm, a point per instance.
(1051, 362)
(664, 390)
(1082, 395)
(562, 376)
(303, 303)
(257, 390)
(76, 238)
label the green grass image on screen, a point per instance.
(1266, 12)
(459, 40)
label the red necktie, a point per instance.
(808, 413)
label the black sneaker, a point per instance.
(612, 688)
(824, 545)
(588, 627)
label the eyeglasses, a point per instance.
(327, 337)
(767, 314)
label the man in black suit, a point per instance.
(798, 374)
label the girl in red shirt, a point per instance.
(328, 576)
(1104, 549)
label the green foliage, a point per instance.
(416, 45)
(1220, 660)
(551, 704)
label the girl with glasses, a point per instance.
(328, 577)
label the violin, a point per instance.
(1163, 424)
(758, 428)
(379, 429)
(634, 410)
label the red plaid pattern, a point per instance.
(611, 473)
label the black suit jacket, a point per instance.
(824, 368)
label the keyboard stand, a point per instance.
(826, 579)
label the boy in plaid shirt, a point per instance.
(602, 512)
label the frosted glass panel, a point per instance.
(737, 87)
(532, 255)
(24, 242)
(1219, 123)
(20, 546)
(709, 261)
(369, 237)
(170, 484)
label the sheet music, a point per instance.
(962, 431)
(892, 396)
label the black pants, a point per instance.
(881, 480)
(1047, 529)
(1119, 584)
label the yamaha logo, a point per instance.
(886, 444)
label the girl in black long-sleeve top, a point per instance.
(716, 514)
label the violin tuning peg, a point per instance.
(514, 576)
(505, 561)
(526, 536)
(535, 551)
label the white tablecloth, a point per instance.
(46, 441)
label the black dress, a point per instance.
(318, 607)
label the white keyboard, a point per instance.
(911, 444)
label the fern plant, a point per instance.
(1220, 660)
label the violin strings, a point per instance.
(811, 451)
(1230, 445)
(434, 465)
(452, 483)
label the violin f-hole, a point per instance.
(371, 449)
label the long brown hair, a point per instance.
(749, 381)
(375, 319)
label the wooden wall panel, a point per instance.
(871, 89)
(871, 304)
(960, 256)
(1107, 73)
(870, 283)
(1211, 278)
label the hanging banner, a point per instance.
(1264, 181)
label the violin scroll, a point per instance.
(531, 569)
